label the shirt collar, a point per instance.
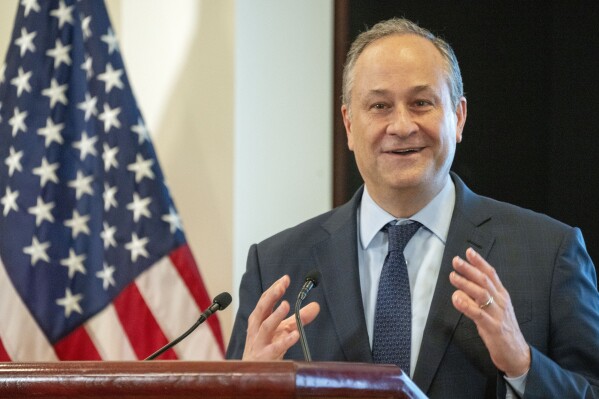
(435, 216)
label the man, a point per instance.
(502, 300)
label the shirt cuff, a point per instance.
(516, 384)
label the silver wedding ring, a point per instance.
(489, 301)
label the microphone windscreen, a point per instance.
(313, 276)
(223, 299)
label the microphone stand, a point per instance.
(311, 281)
(221, 301)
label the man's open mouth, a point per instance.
(405, 151)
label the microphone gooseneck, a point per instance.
(310, 281)
(220, 302)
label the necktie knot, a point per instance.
(401, 234)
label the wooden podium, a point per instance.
(205, 380)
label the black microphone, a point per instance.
(310, 281)
(220, 302)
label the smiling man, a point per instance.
(469, 296)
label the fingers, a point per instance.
(309, 312)
(275, 336)
(270, 332)
(481, 296)
(269, 327)
(484, 267)
(476, 277)
(466, 305)
(285, 333)
(264, 307)
(473, 291)
(477, 286)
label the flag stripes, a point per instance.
(116, 333)
(137, 325)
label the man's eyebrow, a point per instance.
(422, 88)
(413, 90)
(377, 92)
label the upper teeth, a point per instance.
(407, 150)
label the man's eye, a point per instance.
(379, 106)
(422, 103)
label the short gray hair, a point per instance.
(401, 26)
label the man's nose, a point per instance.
(402, 122)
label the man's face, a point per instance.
(403, 128)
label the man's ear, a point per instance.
(461, 114)
(347, 123)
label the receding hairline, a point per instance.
(442, 58)
(400, 27)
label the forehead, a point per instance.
(401, 58)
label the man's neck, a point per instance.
(406, 202)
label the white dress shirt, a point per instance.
(423, 255)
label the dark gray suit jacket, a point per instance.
(543, 264)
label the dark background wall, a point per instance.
(531, 77)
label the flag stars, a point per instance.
(137, 246)
(141, 131)
(82, 184)
(74, 263)
(106, 275)
(21, 82)
(87, 67)
(142, 168)
(9, 201)
(89, 106)
(109, 197)
(63, 13)
(111, 78)
(25, 42)
(37, 251)
(60, 53)
(86, 145)
(173, 219)
(85, 22)
(51, 132)
(41, 211)
(56, 93)
(13, 161)
(30, 5)
(107, 235)
(46, 172)
(18, 121)
(110, 39)
(139, 207)
(109, 117)
(78, 224)
(109, 157)
(70, 303)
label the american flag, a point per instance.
(93, 259)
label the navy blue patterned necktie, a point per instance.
(392, 341)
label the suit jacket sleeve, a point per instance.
(250, 291)
(569, 367)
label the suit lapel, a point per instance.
(464, 232)
(337, 260)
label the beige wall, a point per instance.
(8, 11)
